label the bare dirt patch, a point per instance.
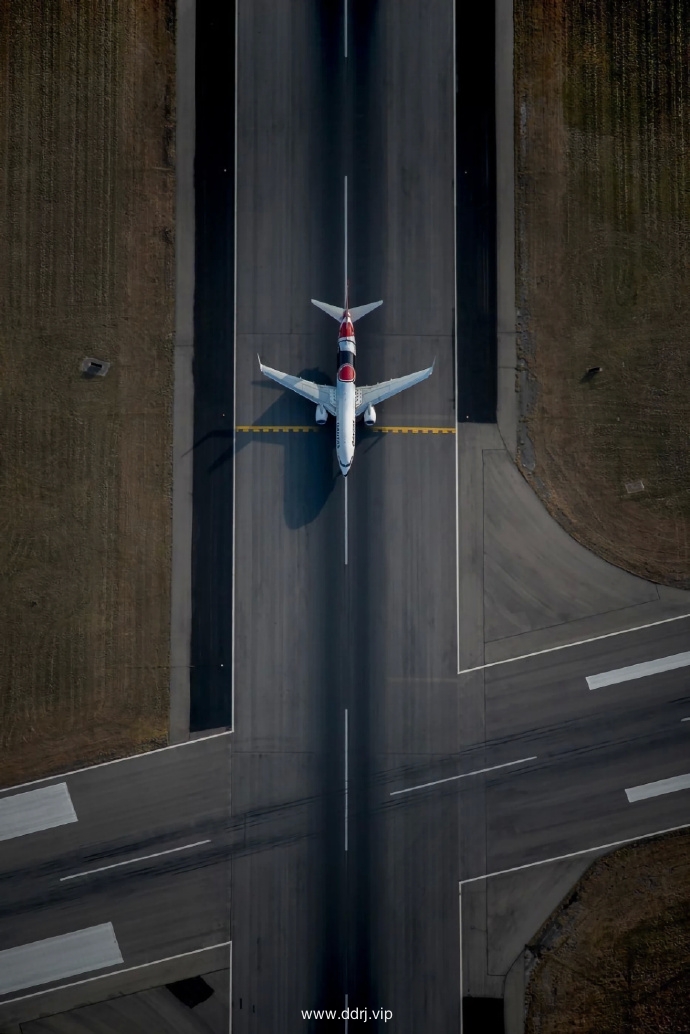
(616, 956)
(603, 273)
(86, 269)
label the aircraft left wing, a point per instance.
(317, 393)
(371, 396)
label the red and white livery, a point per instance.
(346, 402)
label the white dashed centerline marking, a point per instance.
(54, 958)
(132, 861)
(658, 788)
(35, 810)
(464, 775)
(638, 671)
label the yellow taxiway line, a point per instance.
(267, 429)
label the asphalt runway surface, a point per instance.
(311, 922)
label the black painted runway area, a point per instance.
(214, 418)
(477, 354)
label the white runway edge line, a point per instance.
(115, 761)
(230, 991)
(548, 861)
(41, 962)
(464, 775)
(638, 671)
(646, 790)
(568, 646)
(30, 812)
(132, 861)
(115, 973)
(234, 379)
(345, 291)
(577, 854)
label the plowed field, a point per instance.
(615, 957)
(603, 226)
(86, 269)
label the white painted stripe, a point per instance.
(577, 854)
(345, 480)
(234, 379)
(685, 719)
(132, 861)
(117, 972)
(116, 761)
(347, 783)
(568, 646)
(657, 789)
(460, 960)
(55, 958)
(638, 671)
(465, 775)
(230, 993)
(25, 813)
(345, 255)
(455, 357)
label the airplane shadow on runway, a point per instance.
(311, 470)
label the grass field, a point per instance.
(86, 269)
(614, 959)
(603, 272)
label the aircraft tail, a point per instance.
(337, 313)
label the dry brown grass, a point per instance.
(603, 217)
(86, 269)
(614, 959)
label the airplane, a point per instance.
(346, 402)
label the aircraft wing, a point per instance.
(316, 393)
(371, 396)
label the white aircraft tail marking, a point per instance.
(337, 313)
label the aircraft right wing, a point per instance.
(375, 393)
(317, 393)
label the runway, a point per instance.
(311, 922)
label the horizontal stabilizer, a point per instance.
(336, 311)
(362, 310)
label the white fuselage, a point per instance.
(345, 395)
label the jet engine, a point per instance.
(321, 414)
(370, 416)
